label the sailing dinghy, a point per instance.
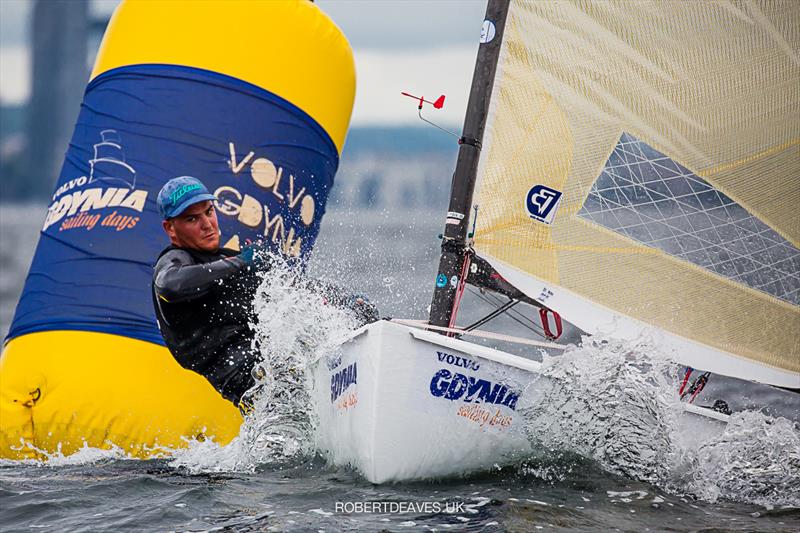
(627, 167)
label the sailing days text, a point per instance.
(93, 199)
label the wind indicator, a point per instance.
(437, 104)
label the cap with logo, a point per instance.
(179, 193)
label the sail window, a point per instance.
(646, 196)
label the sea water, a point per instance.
(610, 454)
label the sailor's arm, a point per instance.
(178, 278)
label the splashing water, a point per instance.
(615, 402)
(611, 401)
(83, 455)
(608, 402)
(756, 460)
(295, 326)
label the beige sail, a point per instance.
(643, 160)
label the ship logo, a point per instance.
(109, 164)
(542, 203)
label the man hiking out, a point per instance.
(203, 294)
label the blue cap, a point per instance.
(179, 193)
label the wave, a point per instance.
(615, 402)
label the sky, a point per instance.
(423, 47)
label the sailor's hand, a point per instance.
(366, 311)
(255, 253)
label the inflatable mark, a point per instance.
(260, 116)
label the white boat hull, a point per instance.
(399, 403)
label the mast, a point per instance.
(454, 241)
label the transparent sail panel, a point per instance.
(643, 194)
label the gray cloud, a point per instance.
(377, 24)
(426, 47)
(409, 24)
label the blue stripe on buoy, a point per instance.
(270, 164)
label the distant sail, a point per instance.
(650, 153)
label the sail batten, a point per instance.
(653, 169)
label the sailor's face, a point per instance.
(196, 228)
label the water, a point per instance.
(615, 462)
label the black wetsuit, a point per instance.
(204, 306)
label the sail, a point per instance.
(641, 167)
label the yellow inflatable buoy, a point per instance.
(254, 98)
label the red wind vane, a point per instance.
(438, 104)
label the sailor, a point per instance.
(203, 294)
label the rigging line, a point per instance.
(697, 386)
(533, 326)
(497, 312)
(421, 324)
(461, 287)
(521, 319)
(495, 301)
(486, 297)
(511, 314)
